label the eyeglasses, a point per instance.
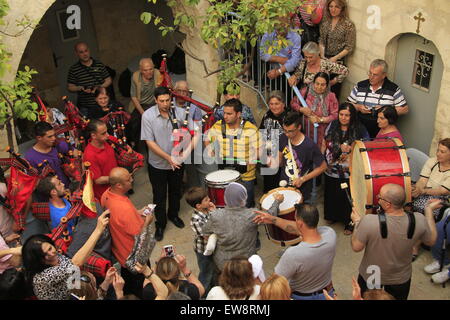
(370, 74)
(85, 279)
(380, 198)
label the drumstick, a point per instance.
(344, 186)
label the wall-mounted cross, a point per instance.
(419, 19)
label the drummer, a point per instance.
(299, 157)
(242, 154)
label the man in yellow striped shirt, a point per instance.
(236, 144)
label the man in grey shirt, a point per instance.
(387, 261)
(308, 265)
(165, 168)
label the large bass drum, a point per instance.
(374, 163)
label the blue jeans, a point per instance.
(436, 250)
(319, 296)
(207, 273)
(250, 187)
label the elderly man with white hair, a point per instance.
(143, 84)
(368, 96)
(197, 168)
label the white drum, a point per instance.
(287, 211)
(217, 181)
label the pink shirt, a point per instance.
(393, 134)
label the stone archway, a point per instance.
(420, 81)
(36, 10)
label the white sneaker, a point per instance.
(434, 267)
(441, 277)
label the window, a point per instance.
(423, 67)
(66, 34)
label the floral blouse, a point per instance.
(52, 283)
(343, 36)
(326, 66)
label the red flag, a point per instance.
(20, 188)
(166, 80)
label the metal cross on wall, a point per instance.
(419, 19)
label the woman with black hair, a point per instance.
(50, 273)
(336, 146)
(271, 121)
(322, 105)
(105, 104)
(387, 117)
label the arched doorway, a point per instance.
(418, 72)
(113, 31)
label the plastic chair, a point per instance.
(416, 160)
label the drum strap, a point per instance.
(236, 137)
(412, 224)
(383, 224)
(296, 171)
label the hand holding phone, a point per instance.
(168, 250)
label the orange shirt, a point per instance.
(124, 223)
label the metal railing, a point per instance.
(256, 79)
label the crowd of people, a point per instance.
(110, 244)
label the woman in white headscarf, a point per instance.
(233, 225)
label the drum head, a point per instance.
(291, 197)
(222, 177)
(360, 188)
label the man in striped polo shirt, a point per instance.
(85, 77)
(370, 95)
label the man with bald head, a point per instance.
(124, 224)
(182, 88)
(85, 78)
(196, 169)
(143, 84)
(387, 261)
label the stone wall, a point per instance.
(121, 36)
(395, 20)
(116, 14)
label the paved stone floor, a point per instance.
(346, 262)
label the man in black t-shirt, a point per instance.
(300, 158)
(85, 77)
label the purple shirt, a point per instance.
(35, 158)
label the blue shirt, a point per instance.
(57, 213)
(246, 114)
(159, 129)
(292, 52)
